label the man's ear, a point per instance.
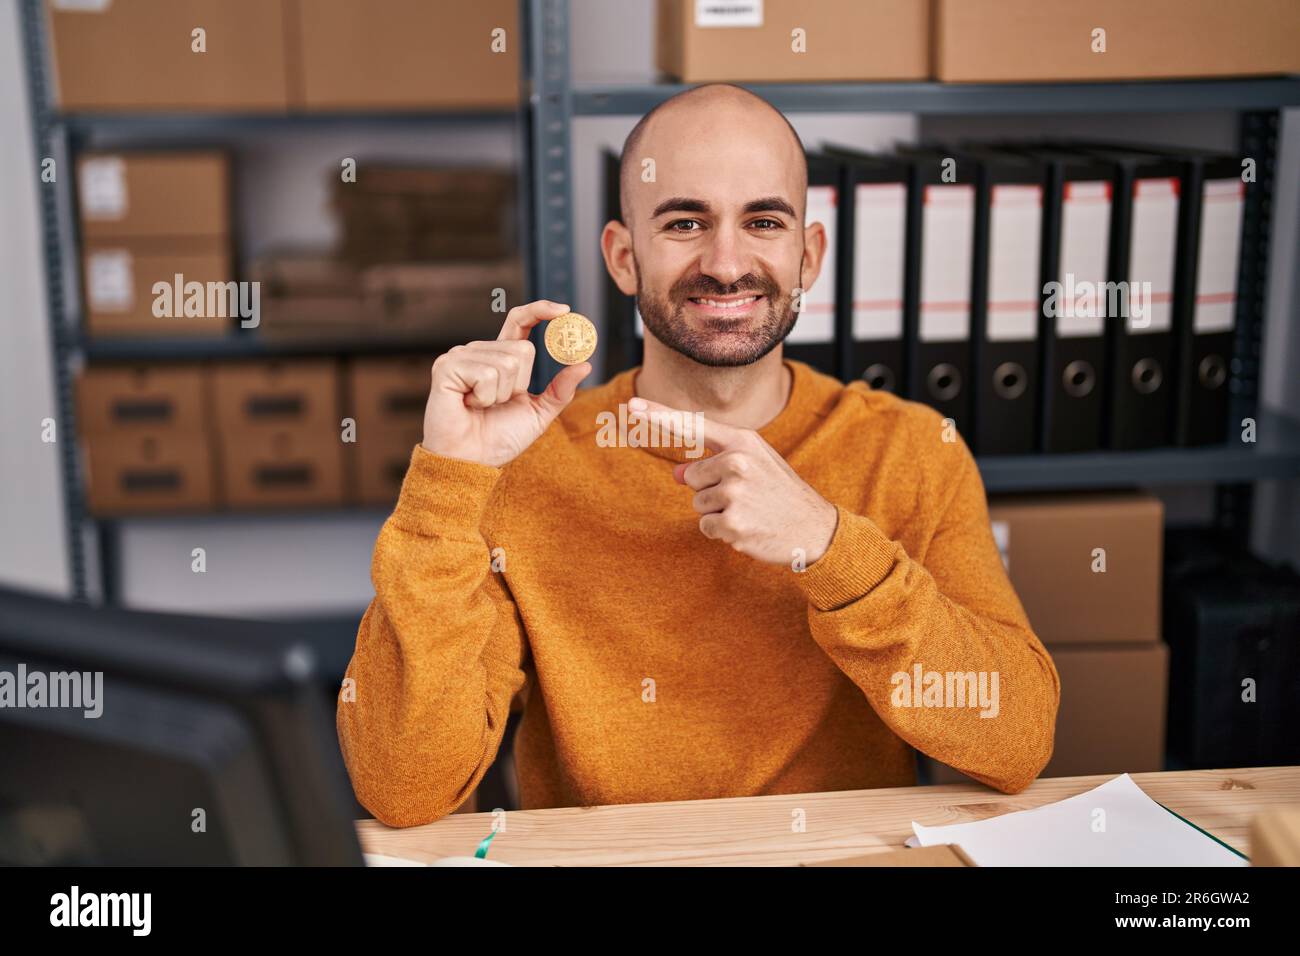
(616, 247)
(814, 252)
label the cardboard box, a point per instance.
(942, 855)
(992, 41)
(124, 399)
(139, 55)
(153, 195)
(843, 40)
(389, 392)
(1112, 714)
(298, 394)
(1051, 545)
(409, 54)
(1275, 837)
(281, 467)
(400, 214)
(310, 292)
(452, 301)
(118, 281)
(387, 397)
(165, 470)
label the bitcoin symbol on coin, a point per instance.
(570, 338)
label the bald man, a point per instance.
(719, 574)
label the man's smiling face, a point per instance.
(717, 238)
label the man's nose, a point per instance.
(724, 257)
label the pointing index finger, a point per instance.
(688, 426)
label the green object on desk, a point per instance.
(481, 852)
(1195, 827)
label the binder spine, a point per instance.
(941, 371)
(1006, 309)
(1209, 265)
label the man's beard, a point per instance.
(723, 342)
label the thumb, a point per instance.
(562, 389)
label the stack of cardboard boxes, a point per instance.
(280, 433)
(434, 245)
(146, 435)
(424, 252)
(155, 228)
(1087, 569)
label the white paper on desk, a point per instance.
(1116, 824)
(382, 859)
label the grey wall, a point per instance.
(33, 549)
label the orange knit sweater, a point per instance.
(659, 664)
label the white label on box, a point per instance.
(1152, 253)
(1015, 235)
(879, 245)
(103, 188)
(816, 323)
(110, 281)
(728, 13)
(1223, 201)
(947, 244)
(1085, 244)
(86, 6)
(1002, 537)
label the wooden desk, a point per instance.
(756, 831)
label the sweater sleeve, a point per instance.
(440, 652)
(894, 625)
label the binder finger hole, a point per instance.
(1212, 371)
(1079, 379)
(944, 382)
(1010, 380)
(1146, 376)
(879, 377)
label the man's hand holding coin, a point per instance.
(479, 406)
(746, 493)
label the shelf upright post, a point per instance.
(1257, 140)
(549, 103)
(55, 200)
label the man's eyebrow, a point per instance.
(685, 204)
(681, 204)
(771, 204)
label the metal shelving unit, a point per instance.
(241, 346)
(555, 102)
(551, 103)
(931, 98)
(61, 136)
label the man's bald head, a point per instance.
(702, 101)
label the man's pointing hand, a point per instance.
(746, 493)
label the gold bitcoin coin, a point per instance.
(570, 338)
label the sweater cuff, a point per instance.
(441, 494)
(859, 557)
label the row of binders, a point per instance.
(1047, 297)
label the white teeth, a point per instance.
(734, 304)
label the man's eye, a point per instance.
(767, 223)
(673, 226)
